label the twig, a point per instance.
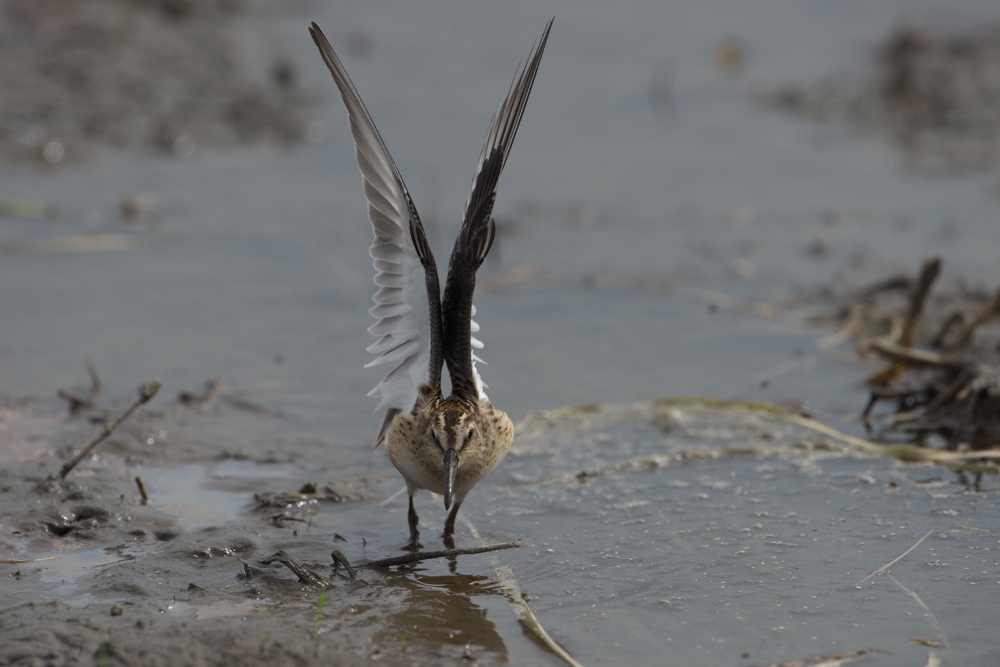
(918, 297)
(910, 355)
(977, 529)
(145, 394)
(19, 561)
(531, 624)
(527, 617)
(894, 560)
(213, 390)
(832, 660)
(445, 553)
(142, 490)
(852, 327)
(920, 603)
(340, 559)
(75, 402)
(305, 575)
(310, 578)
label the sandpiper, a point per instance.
(444, 445)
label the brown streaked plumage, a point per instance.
(444, 445)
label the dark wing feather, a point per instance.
(478, 231)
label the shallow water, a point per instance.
(254, 267)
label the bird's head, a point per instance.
(457, 432)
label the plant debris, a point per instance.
(940, 380)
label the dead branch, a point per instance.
(444, 553)
(203, 402)
(910, 355)
(75, 402)
(142, 490)
(305, 575)
(145, 394)
(929, 272)
(310, 578)
(831, 660)
(529, 621)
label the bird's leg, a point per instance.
(412, 516)
(449, 526)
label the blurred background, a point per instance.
(180, 197)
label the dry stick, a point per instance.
(977, 529)
(145, 394)
(340, 559)
(446, 553)
(216, 388)
(920, 603)
(75, 402)
(928, 274)
(528, 618)
(530, 622)
(894, 560)
(305, 575)
(854, 325)
(20, 561)
(832, 660)
(142, 490)
(909, 355)
(310, 578)
(908, 329)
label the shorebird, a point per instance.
(443, 445)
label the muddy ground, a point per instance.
(166, 76)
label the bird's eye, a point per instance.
(468, 434)
(436, 434)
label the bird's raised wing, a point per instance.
(409, 323)
(478, 231)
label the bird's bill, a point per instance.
(450, 468)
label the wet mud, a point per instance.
(620, 508)
(165, 76)
(931, 93)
